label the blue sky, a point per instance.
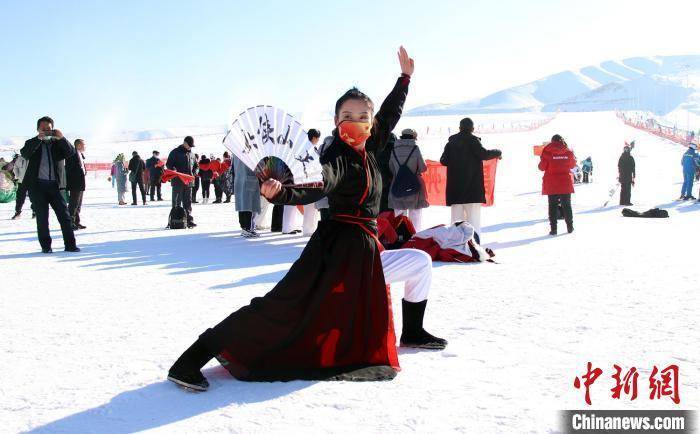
(153, 64)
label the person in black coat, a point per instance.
(464, 156)
(330, 316)
(43, 154)
(180, 160)
(136, 168)
(626, 175)
(155, 171)
(75, 182)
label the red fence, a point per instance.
(652, 126)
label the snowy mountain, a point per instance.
(658, 84)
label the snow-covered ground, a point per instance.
(87, 338)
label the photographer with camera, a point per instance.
(45, 153)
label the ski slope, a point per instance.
(87, 338)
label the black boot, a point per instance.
(413, 335)
(553, 229)
(186, 371)
(569, 227)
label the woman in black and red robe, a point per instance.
(330, 316)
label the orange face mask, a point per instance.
(354, 134)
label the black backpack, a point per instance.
(405, 183)
(177, 218)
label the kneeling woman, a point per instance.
(330, 316)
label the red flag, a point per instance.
(436, 182)
(170, 174)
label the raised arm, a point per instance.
(389, 112)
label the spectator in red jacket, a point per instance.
(556, 162)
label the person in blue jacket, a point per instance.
(689, 161)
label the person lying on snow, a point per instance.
(330, 317)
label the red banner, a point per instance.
(436, 182)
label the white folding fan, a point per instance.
(274, 145)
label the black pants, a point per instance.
(21, 197)
(75, 203)
(205, 188)
(182, 196)
(625, 193)
(554, 201)
(245, 219)
(44, 194)
(155, 188)
(585, 177)
(195, 189)
(277, 217)
(218, 191)
(139, 182)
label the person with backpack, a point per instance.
(626, 174)
(464, 157)
(180, 160)
(136, 168)
(407, 195)
(205, 174)
(556, 162)
(689, 164)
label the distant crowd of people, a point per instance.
(56, 170)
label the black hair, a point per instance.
(75, 143)
(44, 119)
(353, 93)
(466, 124)
(226, 155)
(314, 134)
(557, 138)
(156, 152)
(189, 140)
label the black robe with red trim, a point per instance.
(331, 314)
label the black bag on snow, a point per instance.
(654, 213)
(406, 183)
(177, 218)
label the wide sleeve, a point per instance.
(422, 167)
(332, 175)
(481, 153)
(388, 116)
(544, 164)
